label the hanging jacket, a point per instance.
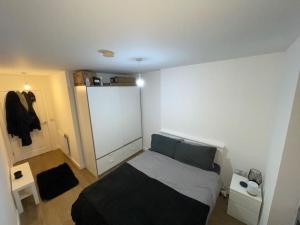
(30, 98)
(17, 118)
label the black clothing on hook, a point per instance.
(17, 118)
(30, 98)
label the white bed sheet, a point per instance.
(193, 182)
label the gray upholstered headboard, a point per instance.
(219, 158)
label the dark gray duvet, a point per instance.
(127, 196)
(149, 189)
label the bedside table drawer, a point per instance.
(245, 201)
(241, 213)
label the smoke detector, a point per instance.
(106, 53)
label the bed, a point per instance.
(151, 189)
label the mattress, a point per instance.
(201, 185)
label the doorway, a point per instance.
(41, 142)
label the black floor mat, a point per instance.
(56, 181)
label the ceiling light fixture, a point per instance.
(106, 53)
(26, 86)
(139, 81)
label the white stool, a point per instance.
(24, 186)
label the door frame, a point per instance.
(7, 140)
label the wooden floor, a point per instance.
(58, 210)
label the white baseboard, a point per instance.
(73, 160)
(18, 218)
(76, 163)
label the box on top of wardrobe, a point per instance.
(93, 78)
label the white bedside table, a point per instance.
(242, 205)
(24, 186)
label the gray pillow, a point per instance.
(163, 145)
(196, 155)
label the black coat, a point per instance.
(17, 118)
(30, 98)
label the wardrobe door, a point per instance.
(86, 134)
(130, 113)
(105, 110)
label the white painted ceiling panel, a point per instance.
(66, 34)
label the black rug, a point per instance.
(56, 181)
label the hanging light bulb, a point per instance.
(27, 87)
(139, 81)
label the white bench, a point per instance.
(24, 186)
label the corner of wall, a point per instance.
(277, 145)
(66, 115)
(151, 106)
(70, 82)
(8, 212)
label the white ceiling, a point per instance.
(66, 34)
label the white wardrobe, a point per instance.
(110, 125)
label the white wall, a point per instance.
(230, 101)
(8, 213)
(66, 119)
(247, 104)
(151, 109)
(281, 202)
